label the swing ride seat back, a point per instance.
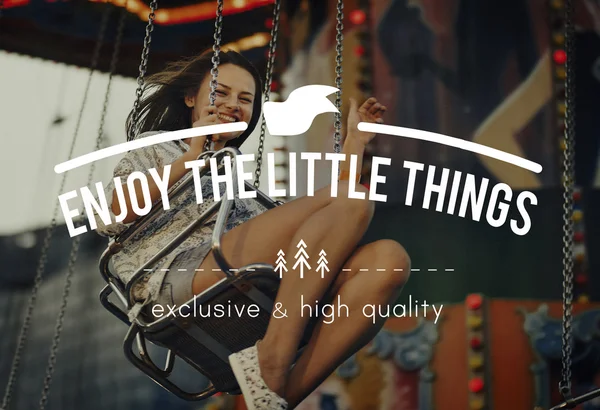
(203, 340)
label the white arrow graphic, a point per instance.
(301, 252)
(280, 267)
(322, 263)
(301, 258)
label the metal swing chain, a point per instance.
(111, 72)
(339, 48)
(77, 241)
(568, 182)
(215, 61)
(50, 231)
(143, 68)
(267, 88)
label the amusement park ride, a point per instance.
(470, 358)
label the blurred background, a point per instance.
(485, 71)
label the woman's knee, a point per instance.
(362, 209)
(393, 259)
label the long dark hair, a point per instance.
(162, 105)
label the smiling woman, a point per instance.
(235, 95)
(175, 101)
(253, 232)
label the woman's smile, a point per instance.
(227, 118)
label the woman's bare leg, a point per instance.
(337, 229)
(333, 224)
(259, 239)
(375, 274)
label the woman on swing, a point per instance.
(371, 274)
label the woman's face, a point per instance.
(234, 98)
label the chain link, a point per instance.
(267, 89)
(77, 240)
(568, 183)
(143, 68)
(339, 48)
(215, 61)
(50, 231)
(112, 69)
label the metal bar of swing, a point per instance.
(136, 337)
(223, 208)
(571, 403)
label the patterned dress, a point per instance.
(183, 211)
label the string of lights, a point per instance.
(559, 59)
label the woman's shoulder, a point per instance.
(172, 148)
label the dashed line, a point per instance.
(343, 270)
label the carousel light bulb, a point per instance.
(359, 51)
(583, 299)
(133, 7)
(474, 301)
(358, 17)
(475, 343)
(560, 57)
(162, 16)
(476, 385)
(559, 38)
(476, 404)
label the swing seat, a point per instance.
(193, 332)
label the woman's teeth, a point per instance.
(224, 117)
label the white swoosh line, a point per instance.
(452, 142)
(147, 141)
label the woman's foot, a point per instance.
(272, 373)
(257, 394)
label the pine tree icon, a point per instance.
(301, 258)
(280, 263)
(322, 263)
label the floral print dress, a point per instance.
(183, 211)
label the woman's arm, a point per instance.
(356, 141)
(499, 129)
(352, 146)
